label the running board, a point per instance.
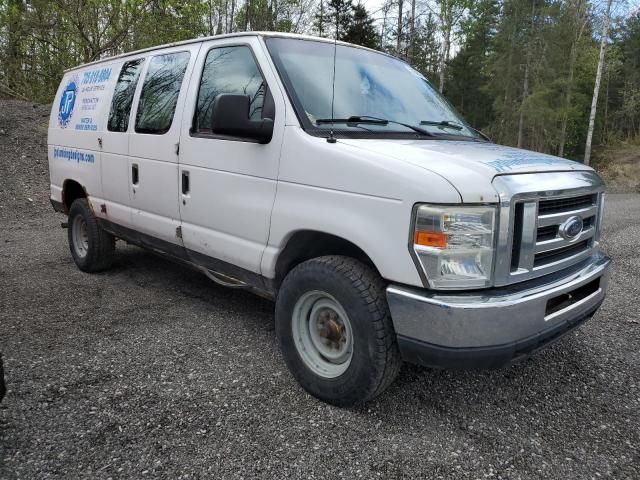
(222, 279)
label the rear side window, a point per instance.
(229, 70)
(123, 96)
(160, 92)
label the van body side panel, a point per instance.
(232, 183)
(365, 199)
(115, 164)
(77, 120)
(154, 199)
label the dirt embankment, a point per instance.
(24, 170)
(619, 165)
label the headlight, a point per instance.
(455, 245)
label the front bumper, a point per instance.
(489, 329)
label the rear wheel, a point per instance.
(335, 331)
(91, 247)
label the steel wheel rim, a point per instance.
(322, 334)
(80, 236)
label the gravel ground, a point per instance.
(150, 370)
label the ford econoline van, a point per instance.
(338, 182)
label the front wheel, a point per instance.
(335, 330)
(91, 247)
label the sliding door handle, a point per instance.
(135, 174)
(185, 183)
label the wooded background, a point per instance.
(529, 73)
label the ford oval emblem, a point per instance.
(571, 228)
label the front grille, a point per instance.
(537, 233)
(551, 256)
(537, 241)
(564, 204)
(547, 233)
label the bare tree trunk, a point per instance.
(605, 127)
(247, 8)
(226, 16)
(233, 8)
(412, 33)
(525, 94)
(210, 17)
(596, 88)
(385, 10)
(400, 2)
(274, 16)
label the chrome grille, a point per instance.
(560, 205)
(532, 240)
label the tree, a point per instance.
(426, 48)
(339, 14)
(361, 31)
(628, 108)
(450, 13)
(320, 19)
(412, 31)
(596, 87)
(467, 73)
(576, 12)
(399, 33)
(540, 74)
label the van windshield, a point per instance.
(374, 93)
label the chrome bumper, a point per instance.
(494, 327)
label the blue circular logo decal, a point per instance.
(67, 102)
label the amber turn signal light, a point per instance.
(431, 239)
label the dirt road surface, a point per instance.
(151, 371)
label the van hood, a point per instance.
(469, 166)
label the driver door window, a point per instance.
(229, 70)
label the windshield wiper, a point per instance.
(443, 123)
(367, 120)
(456, 126)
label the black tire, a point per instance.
(98, 253)
(360, 291)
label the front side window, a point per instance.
(123, 96)
(376, 92)
(160, 92)
(229, 70)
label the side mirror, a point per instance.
(230, 117)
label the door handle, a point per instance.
(135, 175)
(185, 182)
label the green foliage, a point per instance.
(340, 14)
(361, 30)
(470, 64)
(521, 70)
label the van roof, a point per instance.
(215, 37)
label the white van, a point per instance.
(337, 181)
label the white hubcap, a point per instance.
(322, 334)
(80, 236)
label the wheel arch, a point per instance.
(304, 245)
(71, 191)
